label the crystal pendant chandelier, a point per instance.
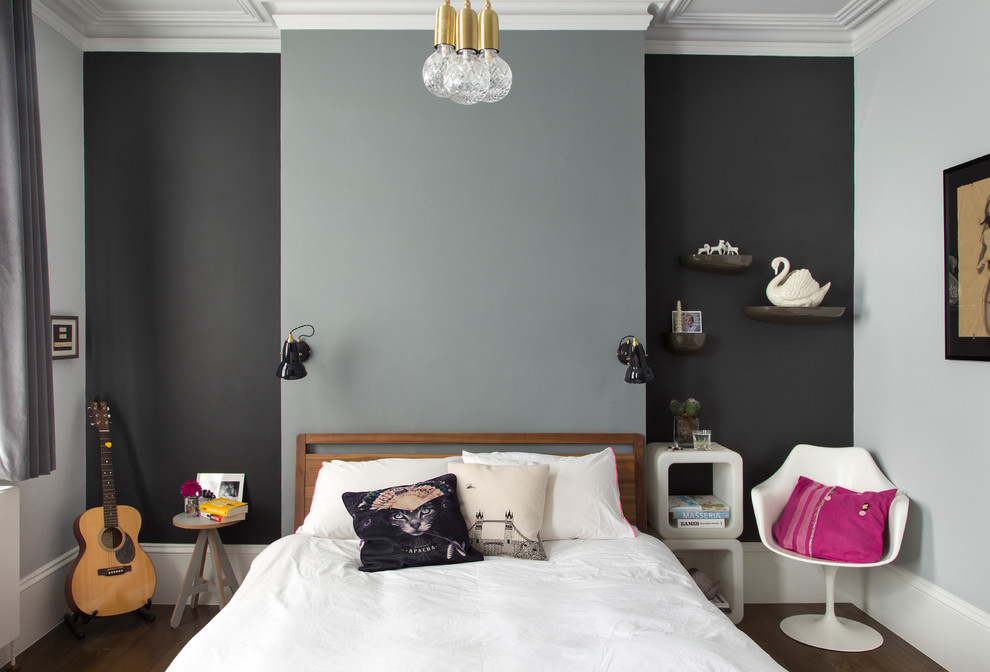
(465, 65)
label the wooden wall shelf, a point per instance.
(684, 343)
(785, 315)
(724, 264)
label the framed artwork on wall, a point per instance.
(65, 337)
(966, 196)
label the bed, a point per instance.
(622, 603)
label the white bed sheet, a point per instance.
(618, 605)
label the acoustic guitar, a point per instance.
(112, 574)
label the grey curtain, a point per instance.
(27, 414)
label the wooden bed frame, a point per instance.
(632, 481)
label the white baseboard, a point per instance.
(43, 591)
(42, 602)
(772, 579)
(950, 631)
(171, 561)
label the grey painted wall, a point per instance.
(758, 151)
(467, 269)
(182, 235)
(918, 112)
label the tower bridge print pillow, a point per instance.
(503, 507)
(410, 525)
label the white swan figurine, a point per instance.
(797, 289)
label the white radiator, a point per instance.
(10, 566)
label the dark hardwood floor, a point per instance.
(117, 643)
(130, 644)
(761, 623)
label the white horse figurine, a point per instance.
(723, 247)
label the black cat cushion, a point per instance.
(410, 525)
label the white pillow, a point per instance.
(502, 506)
(582, 494)
(327, 515)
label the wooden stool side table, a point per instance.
(194, 583)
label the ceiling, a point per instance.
(768, 27)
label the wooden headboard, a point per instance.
(632, 482)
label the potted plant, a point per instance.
(685, 419)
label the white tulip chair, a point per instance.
(851, 468)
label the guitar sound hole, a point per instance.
(111, 538)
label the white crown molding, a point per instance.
(857, 11)
(671, 26)
(93, 16)
(855, 27)
(669, 11)
(59, 25)
(245, 26)
(871, 32)
(230, 45)
(418, 15)
(725, 47)
(425, 22)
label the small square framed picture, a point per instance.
(690, 321)
(65, 337)
(230, 486)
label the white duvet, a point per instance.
(622, 605)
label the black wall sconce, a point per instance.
(631, 352)
(294, 353)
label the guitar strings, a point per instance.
(109, 502)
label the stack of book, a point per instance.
(697, 511)
(223, 509)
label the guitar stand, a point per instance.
(73, 619)
(145, 612)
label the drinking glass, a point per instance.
(702, 439)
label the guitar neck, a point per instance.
(106, 478)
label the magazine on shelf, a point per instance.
(677, 503)
(700, 514)
(699, 523)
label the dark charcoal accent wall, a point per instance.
(182, 278)
(759, 151)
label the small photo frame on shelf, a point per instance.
(230, 486)
(690, 321)
(65, 337)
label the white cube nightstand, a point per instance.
(726, 485)
(716, 551)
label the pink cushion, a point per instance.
(833, 523)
